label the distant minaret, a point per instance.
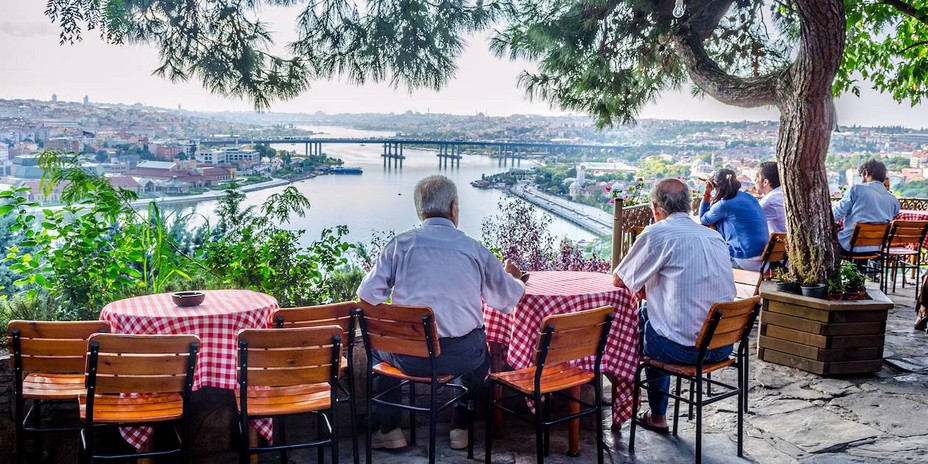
(86, 100)
(54, 98)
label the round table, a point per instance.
(559, 292)
(216, 321)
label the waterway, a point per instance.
(381, 200)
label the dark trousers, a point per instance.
(464, 356)
(663, 349)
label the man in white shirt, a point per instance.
(768, 185)
(682, 268)
(439, 266)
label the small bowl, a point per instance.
(524, 277)
(188, 299)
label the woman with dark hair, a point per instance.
(737, 216)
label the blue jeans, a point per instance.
(663, 349)
(465, 356)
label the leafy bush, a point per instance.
(521, 234)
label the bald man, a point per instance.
(683, 268)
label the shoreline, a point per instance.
(208, 196)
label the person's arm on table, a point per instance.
(501, 288)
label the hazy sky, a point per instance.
(36, 66)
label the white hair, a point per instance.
(434, 195)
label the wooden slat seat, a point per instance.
(48, 364)
(344, 315)
(276, 401)
(406, 331)
(387, 369)
(110, 409)
(726, 324)
(53, 386)
(866, 235)
(138, 380)
(688, 371)
(287, 371)
(554, 378)
(562, 339)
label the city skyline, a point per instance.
(484, 83)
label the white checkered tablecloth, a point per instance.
(559, 292)
(217, 322)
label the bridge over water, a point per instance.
(448, 151)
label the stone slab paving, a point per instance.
(794, 417)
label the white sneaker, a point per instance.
(458, 439)
(393, 439)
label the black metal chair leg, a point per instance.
(333, 435)
(698, 417)
(320, 426)
(488, 438)
(368, 450)
(689, 416)
(600, 439)
(282, 437)
(635, 407)
(742, 394)
(676, 405)
(20, 433)
(412, 414)
(433, 402)
(546, 416)
(539, 431)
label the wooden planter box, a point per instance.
(821, 336)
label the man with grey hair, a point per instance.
(439, 266)
(682, 268)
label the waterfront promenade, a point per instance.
(588, 217)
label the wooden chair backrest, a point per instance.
(902, 233)
(52, 347)
(868, 235)
(775, 251)
(734, 323)
(141, 363)
(340, 314)
(576, 335)
(399, 329)
(284, 357)
(634, 232)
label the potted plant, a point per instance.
(783, 281)
(813, 287)
(855, 282)
(836, 287)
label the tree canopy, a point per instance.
(607, 58)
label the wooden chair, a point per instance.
(903, 243)
(725, 324)
(283, 372)
(867, 235)
(343, 315)
(409, 331)
(48, 366)
(138, 380)
(633, 233)
(562, 338)
(747, 283)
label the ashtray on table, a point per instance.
(188, 299)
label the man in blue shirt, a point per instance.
(439, 266)
(866, 202)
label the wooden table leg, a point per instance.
(497, 361)
(148, 447)
(253, 441)
(573, 427)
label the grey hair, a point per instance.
(672, 196)
(434, 195)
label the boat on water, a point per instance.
(346, 170)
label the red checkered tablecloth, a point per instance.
(216, 321)
(559, 292)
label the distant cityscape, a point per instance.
(156, 151)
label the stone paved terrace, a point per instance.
(794, 417)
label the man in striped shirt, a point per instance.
(682, 268)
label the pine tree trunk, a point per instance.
(806, 121)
